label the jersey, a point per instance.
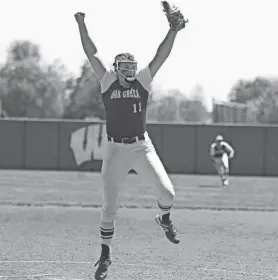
(125, 107)
(218, 151)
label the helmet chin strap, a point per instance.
(127, 79)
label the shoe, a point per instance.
(103, 265)
(225, 182)
(170, 231)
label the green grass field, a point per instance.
(50, 228)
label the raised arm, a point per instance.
(177, 22)
(163, 52)
(89, 47)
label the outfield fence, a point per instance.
(78, 145)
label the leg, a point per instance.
(225, 164)
(114, 171)
(219, 167)
(148, 166)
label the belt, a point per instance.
(130, 140)
(218, 155)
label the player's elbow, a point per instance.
(88, 46)
(97, 65)
(156, 64)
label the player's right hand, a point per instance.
(79, 17)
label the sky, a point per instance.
(224, 41)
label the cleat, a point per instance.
(225, 182)
(103, 265)
(170, 231)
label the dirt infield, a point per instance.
(53, 241)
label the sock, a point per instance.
(165, 213)
(166, 218)
(106, 235)
(105, 250)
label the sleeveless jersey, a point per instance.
(125, 107)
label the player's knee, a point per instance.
(172, 194)
(108, 215)
(169, 195)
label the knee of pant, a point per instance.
(169, 196)
(172, 194)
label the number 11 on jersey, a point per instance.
(137, 108)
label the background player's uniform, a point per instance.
(129, 147)
(220, 155)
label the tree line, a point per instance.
(30, 88)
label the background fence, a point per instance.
(78, 145)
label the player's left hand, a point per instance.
(174, 16)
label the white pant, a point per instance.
(222, 162)
(118, 160)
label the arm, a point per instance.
(212, 151)
(177, 22)
(89, 47)
(163, 52)
(230, 150)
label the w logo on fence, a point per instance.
(88, 143)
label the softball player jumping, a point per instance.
(125, 93)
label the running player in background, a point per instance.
(221, 152)
(125, 93)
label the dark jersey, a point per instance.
(125, 107)
(218, 151)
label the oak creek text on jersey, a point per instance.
(130, 93)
